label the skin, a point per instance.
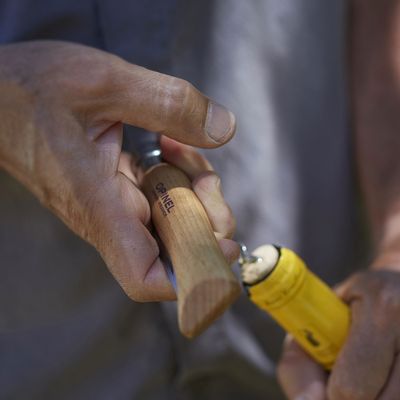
(368, 366)
(61, 113)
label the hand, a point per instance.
(368, 366)
(61, 112)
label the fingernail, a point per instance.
(220, 122)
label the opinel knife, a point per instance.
(205, 284)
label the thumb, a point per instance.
(300, 377)
(167, 105)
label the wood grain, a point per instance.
(206, 285)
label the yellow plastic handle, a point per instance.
(304, 306)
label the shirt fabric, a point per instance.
(67, 331)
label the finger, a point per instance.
(207, 187)
(300, 377)
(197, 164)
(392, 388)
(184, 157)
(231, 250)
(119, 213)
(363, 365)
(166, 104)
(206, 184)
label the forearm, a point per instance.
(375, 77)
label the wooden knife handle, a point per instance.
(206, 285)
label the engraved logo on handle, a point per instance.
(165, 203)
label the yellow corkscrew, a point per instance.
(278, 281)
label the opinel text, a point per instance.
(166, 203)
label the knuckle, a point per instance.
(136, 295)
(205, 181)
(388, 299)
(383, 287)
(129, 284)
(137, 292)
(378, 292)
(102, 78)
(101, 71)
(176, 97)
(199, 161)
(228, 222)
(103, 82)
(358, 282)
